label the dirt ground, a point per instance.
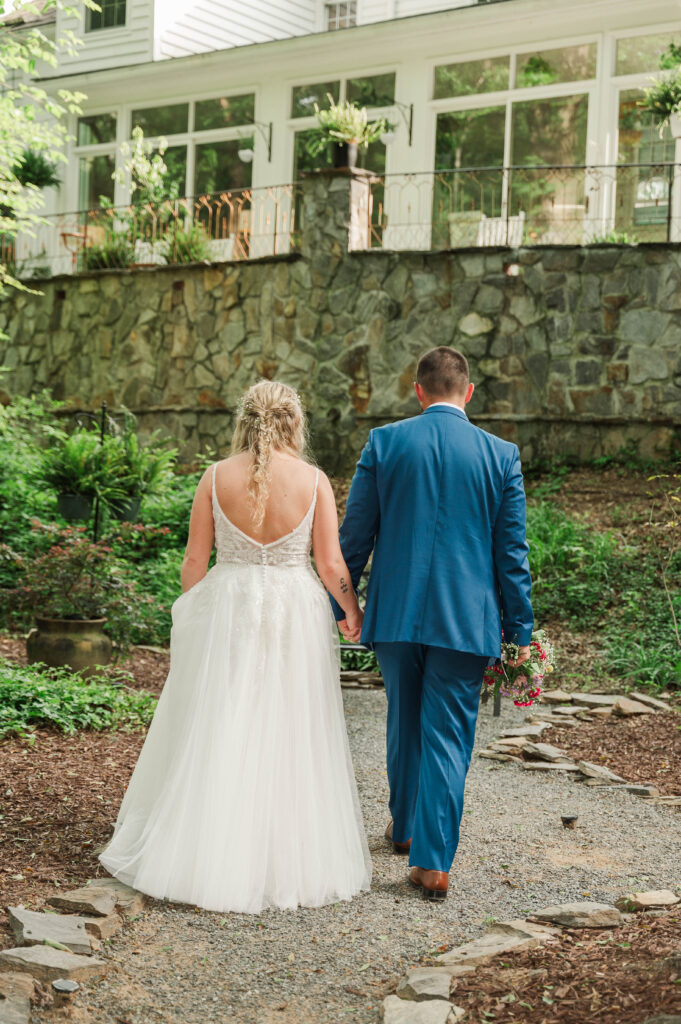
(620, 976)
(645, 748)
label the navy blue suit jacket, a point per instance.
(441, 504)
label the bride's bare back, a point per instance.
(290, 492)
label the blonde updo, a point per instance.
(270, 418)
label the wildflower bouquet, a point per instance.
(522, 682)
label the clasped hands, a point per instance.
(351, 625)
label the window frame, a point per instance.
(337, 4)
(293, 125)
(87, 17)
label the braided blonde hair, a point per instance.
(270, 418)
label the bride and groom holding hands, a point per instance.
(244, 795)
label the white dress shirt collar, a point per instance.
(451, 405)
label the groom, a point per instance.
(441, 504)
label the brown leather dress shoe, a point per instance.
(401, 848)
(433, 884)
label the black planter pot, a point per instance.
(127, 512)
(74, 507)
(344, 154)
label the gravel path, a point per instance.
(183, 966)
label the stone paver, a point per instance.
(581, 915)
(46, 964)
(31, 928)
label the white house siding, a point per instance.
(109, 47)
(407, 8)
(221, 24)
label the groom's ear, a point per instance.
(469, 393)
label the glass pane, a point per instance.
(110, 15)
(341, 15)
(94, 180)
(219, 169)
(156, 121)
(642, 204)
(565, 64)
(97, 128)
(224, 112)
(471, 77)
(465, 142)
(304, 97)
(175, 158)
(550, 200)
(641, 53)
(375, 91)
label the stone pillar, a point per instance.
(336, 216)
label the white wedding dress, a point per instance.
(244, 795)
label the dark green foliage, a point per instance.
(117, 250)
(35, 169)
(358, 661)
(34, 697)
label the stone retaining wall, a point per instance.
(573, 350)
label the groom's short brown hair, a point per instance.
(443, 371)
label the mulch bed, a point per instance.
(645, 748)
(607, 976)
(59, 798)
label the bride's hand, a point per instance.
(351, 625)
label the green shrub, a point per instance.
(574, 568)
(35, 697)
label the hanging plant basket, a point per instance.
(78, 644)
(127, 512)
(74, 507)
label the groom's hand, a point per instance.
(349, 633)
(523, 656)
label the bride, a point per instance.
(244, 796)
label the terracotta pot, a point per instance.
(344, 154)
(78, 644)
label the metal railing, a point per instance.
(229, 225)
(570, 204)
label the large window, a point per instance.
(96, 142)
(643, 177)
(167, 120)
(505, 165)
(304, 97)
(110, 15)
(471, 77)
(99, 128)
(95, 180)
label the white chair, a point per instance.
(501, 230)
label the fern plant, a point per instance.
(343, 123)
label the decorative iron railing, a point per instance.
(462, 208)
(230, 225)
(528, 205)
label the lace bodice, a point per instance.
(237, 548)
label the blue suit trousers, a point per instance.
(433, 696)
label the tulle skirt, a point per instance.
(244, 795)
